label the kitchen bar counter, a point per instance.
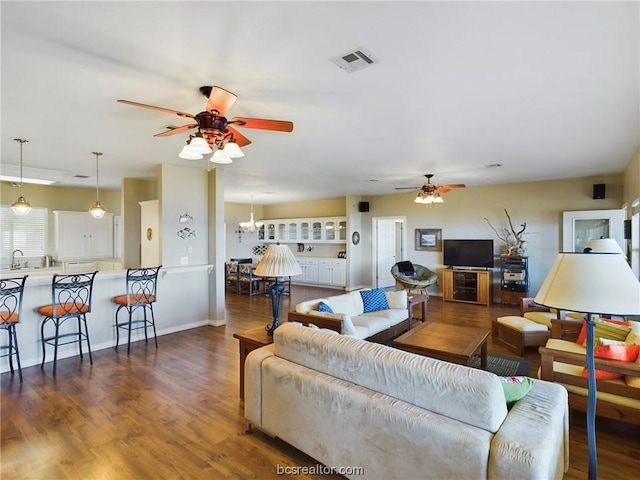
(174, 285)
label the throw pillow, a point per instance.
(374, 300)
(623, 353)
(397, 299)
(515, 388)
(605, 328)
(406, 268)
(323, 307)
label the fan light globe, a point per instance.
(233, 150)
(187, 154)
(220, 157)
(199, 145)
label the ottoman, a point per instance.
(516, 333)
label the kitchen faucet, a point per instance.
(15, 264)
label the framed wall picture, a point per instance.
(429, 239)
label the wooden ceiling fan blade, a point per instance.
(159, 109)
(408, 188)
(220, 100)
(453, 185)
(262, 124)
(241, 140)
(173, 131)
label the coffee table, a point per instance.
(451, 343)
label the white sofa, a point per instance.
(352, 403)
(349, 318)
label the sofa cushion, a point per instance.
(374, 300)
(347, 325)
(309, 305)
(623, 353)
(323, 307)
(426, 382)
(604, 328)
(394, 315)
(348, 303)
(543, 318)
(372, 324)
(515, 388)
(397, 299)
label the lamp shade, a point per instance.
(604, 245)
(591, 282)
(278, 261)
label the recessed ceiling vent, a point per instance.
(81, 176)
(355, 60)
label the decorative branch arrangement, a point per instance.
(512, 239)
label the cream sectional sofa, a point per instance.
(352, 403)
(349, 317)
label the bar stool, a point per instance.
(141, 293)
(70, 298)
(10, 309)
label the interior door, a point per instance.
(388, 240)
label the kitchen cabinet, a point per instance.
(322, 271)
(78, 235)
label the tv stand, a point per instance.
(466, 285)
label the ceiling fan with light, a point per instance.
(430, 193)
(215, 130)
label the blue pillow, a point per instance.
(374, 300)
(323, 307)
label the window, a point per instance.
(27, 233)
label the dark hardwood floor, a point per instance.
(175, 413)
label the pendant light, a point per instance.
(97, 210)
(21, 206)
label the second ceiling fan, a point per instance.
(430, 193)
(213, 125)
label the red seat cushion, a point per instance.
(63, 309)
(134, 299)
(7, 317)
(623, 353)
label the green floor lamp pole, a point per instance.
(278, 261)
(596, 281)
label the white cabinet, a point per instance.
(305, 230)
(79, 235)
(323, 271)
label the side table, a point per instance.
(249, 341)
(417, 299)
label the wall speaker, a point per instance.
(627, 229)
(363, 206)
(599, 191)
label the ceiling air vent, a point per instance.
(81, 176)
(355, 60)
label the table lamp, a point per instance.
(598, 281)
(278, 261)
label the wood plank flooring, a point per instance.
(174, 412)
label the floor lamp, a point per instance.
(598, 281)
(278, 261)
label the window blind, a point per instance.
(27, 233)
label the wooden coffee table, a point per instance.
(447, 342)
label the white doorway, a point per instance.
(389, 247)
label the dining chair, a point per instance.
(70, 299)
(231, 276)
(141, 288)
(248, 281)
(11, 290)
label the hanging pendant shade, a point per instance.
(21, 206)
(97, 210)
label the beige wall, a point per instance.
(316, 208)
(462, 215)
(632, 181)
(134, 190)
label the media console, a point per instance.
(466, 285)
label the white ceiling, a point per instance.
(547, 90)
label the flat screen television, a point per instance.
(468, 253)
